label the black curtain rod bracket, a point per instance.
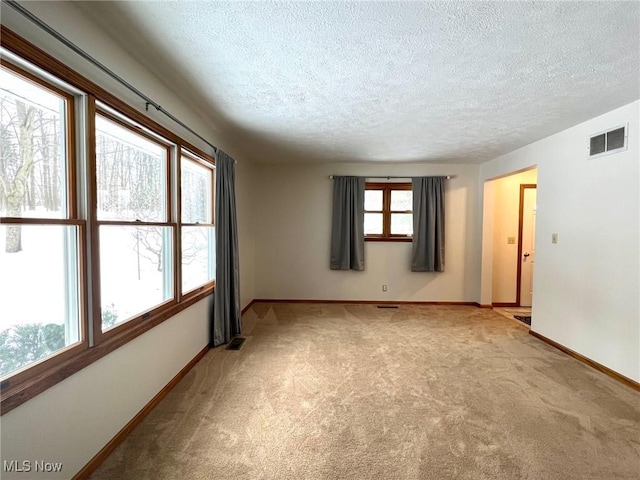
(157, 107)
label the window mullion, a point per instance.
(386, 217)
(169, 187)
(177, 231)
(79, 187)
(168, 277)
(169, 280)
(71, 288)
(71, 154)
(95, 322)
(213, 198)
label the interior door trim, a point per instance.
(523, 187)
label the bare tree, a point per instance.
(49, 169)
(8, 156)
(151, 239)
(14, 189)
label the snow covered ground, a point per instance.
(33, 282)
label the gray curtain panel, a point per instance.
(428, 224)
(347, 226)
(226, 317)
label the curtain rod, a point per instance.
(389, 177)
(68, 43)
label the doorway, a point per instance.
(526, 245)
(508, 244)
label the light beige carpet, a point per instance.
(356, 392)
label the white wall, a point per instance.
(486, 274)
(73, 420)
(586, 287)
(293, 221)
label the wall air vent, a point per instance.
(611, 141)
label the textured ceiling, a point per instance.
(361, 81)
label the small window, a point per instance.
(388, 212)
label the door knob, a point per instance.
(526, 255)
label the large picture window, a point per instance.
(106, 222)
(39, 232)
(388, 211)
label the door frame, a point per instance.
(523, 187)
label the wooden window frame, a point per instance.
(169, 222)
(198, 159)
(386, 235)
(34, 379)
(70, 218)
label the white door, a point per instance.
(528, 246)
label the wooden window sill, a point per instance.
(19, 393)
(388, 239)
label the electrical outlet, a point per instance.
(554, 238)
(384, 288)
(511, 240)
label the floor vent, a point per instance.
(235, 344)
(387, 306)
(523, 318)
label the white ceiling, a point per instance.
(364, 81)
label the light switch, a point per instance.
(554, 238)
